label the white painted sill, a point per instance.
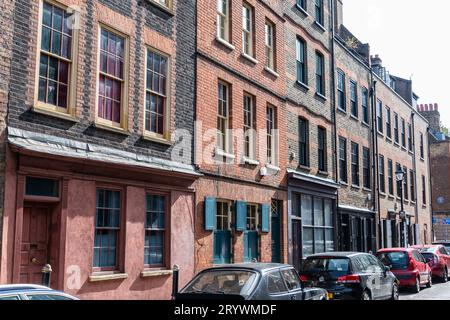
(273, 168)
(252, 162)
(155, 273)
(225, 43)
(272, 72)
(97, 277)
(221, 153)
(250, 58)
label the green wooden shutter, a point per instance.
(210, 213)
(241, 216)
(265, 218)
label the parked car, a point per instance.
(31, 292)
(438, 259)
(408, 265)
(446, 244)
(252, 281)
(350, 275)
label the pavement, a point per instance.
(439, 291)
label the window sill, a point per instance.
(354, 117)
(110, 128)
(250, 161)
(221, 153)
(410, 152)
(321, 96)
(304, 168)
(380, 134)
(302, 10)
(422, 159)
(343, 183)
(53, 113)
(388, 139)
(149, 273)
(225, 43)
(383, 194)
(271, 167)
(365, 124)
(342, 111)
(152, 138)
(323, 173)
(391, 197)
(396, 144)
(424, 206)
(162, 7)
(319, 25)
(353, 186)
(404, 149)
(367, 189)
(97, 277)
(303, 85)
(249, 58)
(272, 72)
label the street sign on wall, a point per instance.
(446, 221)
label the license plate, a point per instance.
(330, 296)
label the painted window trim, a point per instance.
(152, 270)
(118, 270)
(149, 135)
(106, 124)
(168, 7)
(46, 108)
(251, 32)
(228, 30)
(251, 157)
(270, 64)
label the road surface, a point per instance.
(439, 291)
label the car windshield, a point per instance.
(330, 268)
(232, 282)
(398, 260)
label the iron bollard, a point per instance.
(176, 271)
(46, 275)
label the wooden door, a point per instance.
(34, 250)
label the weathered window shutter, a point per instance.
(210, 213)
(241, 216)
(265, 218)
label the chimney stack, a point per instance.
(431, 112)
(376, 61)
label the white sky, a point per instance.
(412, 38)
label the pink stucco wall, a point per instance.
(80, 239)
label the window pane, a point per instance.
(47, 15)
(45, 41)
(308, 240)
(318, 212)
(319, 241)
(41, 187)
(328, 209)
(329, 235)
(306, 210)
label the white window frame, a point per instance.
(247, 34)
(269, 44)
(225, 18)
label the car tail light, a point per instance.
(304, 278)
(353, 278)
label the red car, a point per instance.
(408, 265)
(438, 259)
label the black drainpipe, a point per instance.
(334, 119)
(376, 183)
(416, 208)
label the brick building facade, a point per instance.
(240, 109)
(171, 132)
(440, 171)
(97, 91)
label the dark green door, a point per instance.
(251, 246)
(276, 232)
(222, 246)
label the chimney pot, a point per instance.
(436, 107)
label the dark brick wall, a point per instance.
(6, 32)
(144, 18)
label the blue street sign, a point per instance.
(446, 221)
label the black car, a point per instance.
(349, 276)
(252, 281)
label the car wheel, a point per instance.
(395, 292)
(430, 281)
(445, 276)
(366, 295)
(416, 288)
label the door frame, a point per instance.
(58, 213)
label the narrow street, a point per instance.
(439, 291)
